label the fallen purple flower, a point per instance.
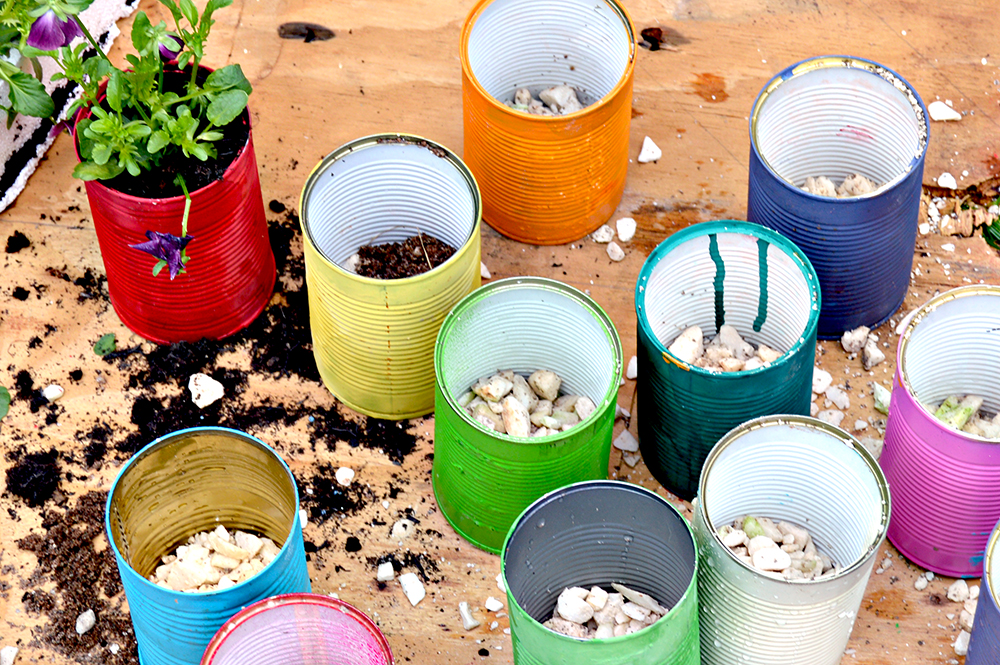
(167, 248)
(169, 52)
(49, 32)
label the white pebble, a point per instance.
(626, 228)
(974, 592)
(948, 247)
(385, 573)
(958, 591)
(85, 622)
(303, 517)
(484, 272)
(52, 392)
(838, 398)
(605, 234)
(649, 152)
(860, 425)
(621, 412)
(632, 370)
(947, 180)
(7, 655)
(615, 253)
(468, 621)
(573, 608)
(493, 605)
(401, 530)
(920, 584)
(821, 380)
(204, 390)
(413, 588)
(831, 416)
(854, 340)
(500, 584)
(771, 558)
(962, 643)
(626, 442)
(344, 475)
(941, 112)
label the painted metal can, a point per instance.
(548, 180)
(804, 471)
(984, 648)
(483, 479)
(707, 275)
(184, 483)
(373, 339)
(944, 481)
(593, 534)
(835, 116)
(299, 629)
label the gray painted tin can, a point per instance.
(804, 471)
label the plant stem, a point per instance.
(187, 204)
(90, 38)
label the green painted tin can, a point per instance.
(593, 534)
(483, 479)
(710, 274)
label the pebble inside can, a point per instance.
(813, 475)
(984, 647)
(836, 116)
(593, 534)
(945, 481)
(182, 484)
(707, 275)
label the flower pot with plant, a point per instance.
(167, 156)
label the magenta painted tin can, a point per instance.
(299, 629)
(984, 648)
(945, 483)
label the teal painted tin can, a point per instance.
(484, 479)
(182, 484)
(710, 274)
(594, 534)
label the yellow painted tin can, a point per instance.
(373, 339)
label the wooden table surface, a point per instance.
(394, 66)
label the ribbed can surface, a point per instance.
(230, 276)
(592, 534)
(836, 116)
(483, 479)
(804, 471)
(299, 629)
(945, 482)
(547, 180)
(984, 648)
(184, 483)
(709, 274)
(374, 338)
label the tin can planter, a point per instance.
(230, 277)
(374, 339)
(592, 534)
(710, 274)
(944, 481)
(835, 116)
(483, 479)
(547, 180)
(807, 472)
(984, 648)
(299, 629)
(185, 483)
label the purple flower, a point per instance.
(49, 32)
(169, 51)
(167, 248)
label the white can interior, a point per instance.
(804, 475)
(388, 192)
(537, 44)
(953, 348)
(680, 292)
(839, 120)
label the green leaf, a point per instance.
(157, 141)
(92, 171)
(158, 267)
(102, 153)
(183, 59)
(105, 345)
(230, 76)
(190, 12)
(116, 86)
(4, 402)
(174, 10)
(209, 136)
(28, 96)
(211, 8)
(226, 106)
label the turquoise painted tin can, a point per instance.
(188, 482)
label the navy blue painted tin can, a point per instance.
(184, 483)
(984, 648)
(837, 116)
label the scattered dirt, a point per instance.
(393, 260)
(34, 476)
(16, 242)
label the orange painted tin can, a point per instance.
(548, 180)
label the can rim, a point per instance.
(847, 62)
(165, 440)
(470, 22)
(513, 284)
(834, 432)
(990, 576)
(934, 303)
(738, 227)
(390, 138)
(608, 484)
(266, 604)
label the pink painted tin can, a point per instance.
(945, 483)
